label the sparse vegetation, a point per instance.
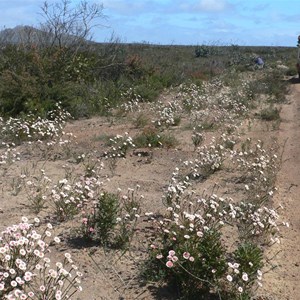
(270, 114)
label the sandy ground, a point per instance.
(112, 275)
(284, 280)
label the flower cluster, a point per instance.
(168, 115)
(119, 146)
(9, 154)
(131, 101)
(197, 136)
(210, 159)
(26, 271)
(194, 97)
(213, 103)
(34, 128)
(70, 198)
(37, 190)
(258, 168)
(190, 245)
(190, 240)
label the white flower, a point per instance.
(24, 219)
(52, 273)
(13, 283)
(49, 226)
(245, 277)
(23, 252)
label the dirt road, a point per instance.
(284, 280)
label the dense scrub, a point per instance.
(92, 79)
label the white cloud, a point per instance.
(134, 7)
(212, 5)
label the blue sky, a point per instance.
(188, 22)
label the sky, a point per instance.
(180, 22)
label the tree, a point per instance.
(69, 26)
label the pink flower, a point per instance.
(91, 229)
(169, 264)
(84, 221)
(191, 258)
(171, 252)
(13, 283)
(174, 258)
(186, 255)
(159, 256)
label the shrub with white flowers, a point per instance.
(191, 246)
(26, 271)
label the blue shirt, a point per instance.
(259, 61)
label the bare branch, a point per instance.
(66, 25)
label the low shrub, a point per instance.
(270, 114)
(151, 137)
(26, 271)
(112, 220)
(189, 250)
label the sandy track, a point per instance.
(284, 280)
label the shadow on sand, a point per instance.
(294, 80)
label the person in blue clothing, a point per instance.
(259, 62)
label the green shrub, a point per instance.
(112, 221)
(272, 84)
(151, 137)
(141, 121)
(191, 248)
(88, 81)
(104, 218)
(270, 114)
(147, 91)
(202, 51)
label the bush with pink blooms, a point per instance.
(26, 271)
(191, 247)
